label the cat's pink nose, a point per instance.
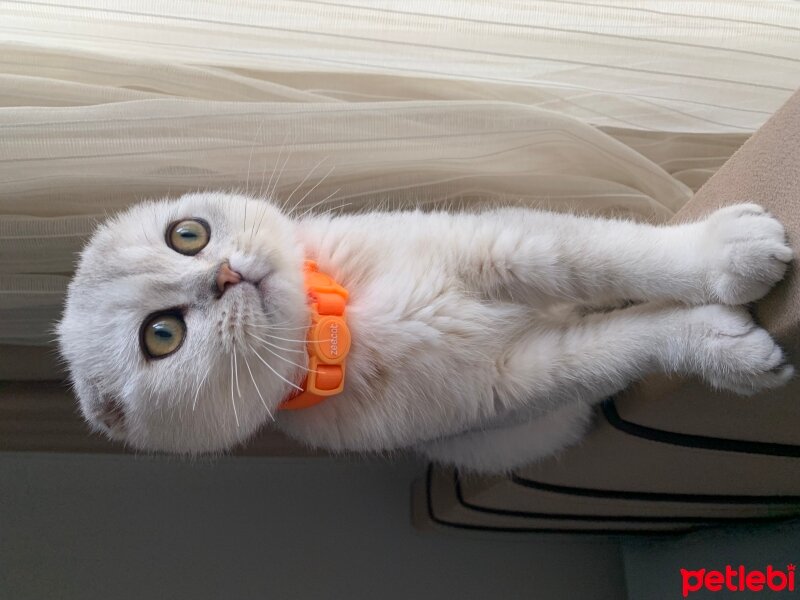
(227, 276)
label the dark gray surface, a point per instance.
(653, 566)
(81, 526)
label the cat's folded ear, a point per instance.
(103, 410)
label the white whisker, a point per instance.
(276, 355)
(236, 372)
(250, 157)
(325, 199)
(315, 186)
(272, 188)
(233, 402)
(261, 187)
(333, 208)
(266, 364)
(253, 335)
(275, 337)
(270, 194)
(279, 328)
(267, 328)
(309, 174)
(247, 178)
(197, 393)
(255, 385)
(274, 167)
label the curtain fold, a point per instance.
(611, 107)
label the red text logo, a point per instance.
(738, 580)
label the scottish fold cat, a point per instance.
(478, 339)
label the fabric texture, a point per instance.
(607, 106)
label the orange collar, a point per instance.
(328, 340)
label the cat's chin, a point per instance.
(282, 299)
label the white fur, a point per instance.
(472, 340)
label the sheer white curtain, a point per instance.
(613, 106)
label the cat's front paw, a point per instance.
(733, 353)
(747, 253)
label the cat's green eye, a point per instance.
(162, 334)
(188, 236)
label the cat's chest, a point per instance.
(407, 304)
(411, 339)
(422, 356)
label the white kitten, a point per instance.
(471, 338)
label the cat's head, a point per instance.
(184, 322)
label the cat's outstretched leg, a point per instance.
(593, 357)
(732, 257)
(567, 369)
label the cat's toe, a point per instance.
(742, 357)
(752, 383)
(747, 253)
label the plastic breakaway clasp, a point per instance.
(328, 340)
